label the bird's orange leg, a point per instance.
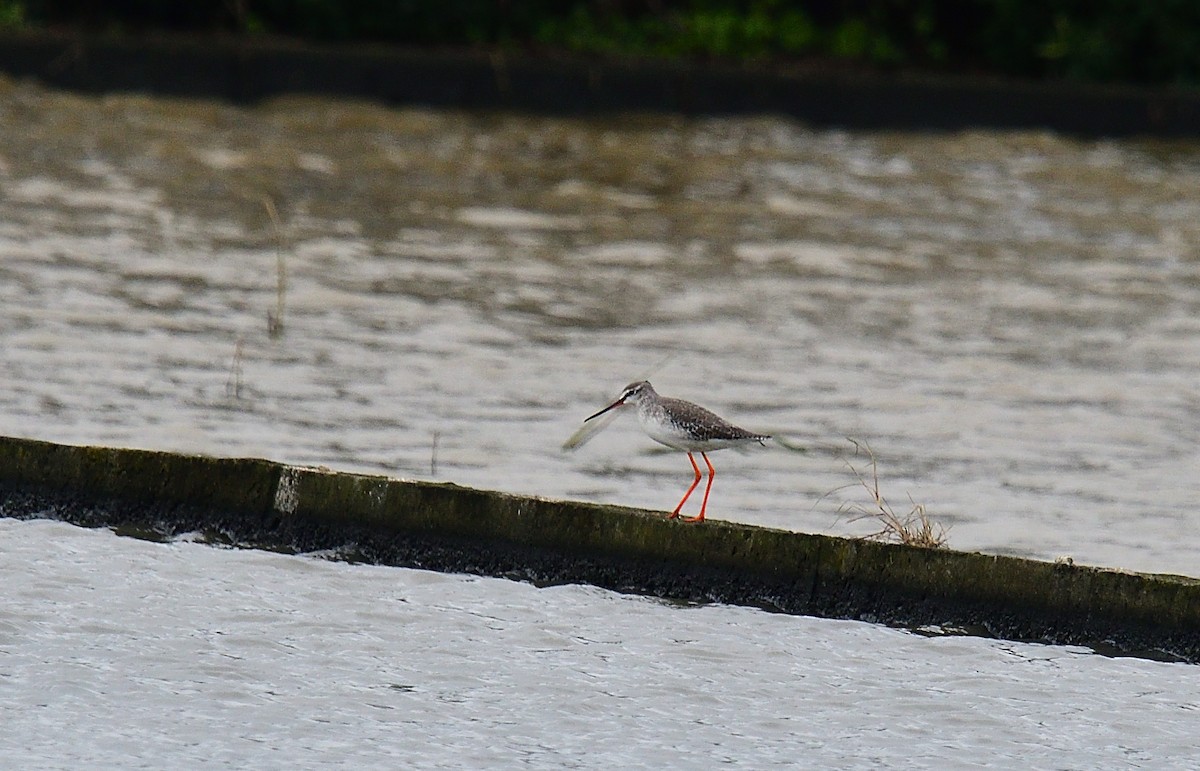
(712, 474)
(686, 495)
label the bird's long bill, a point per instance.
(617, 403)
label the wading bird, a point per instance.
(683, 426)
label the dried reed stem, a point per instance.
(233, 384)
(275, 317)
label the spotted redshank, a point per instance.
(683, 426)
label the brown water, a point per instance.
(1010, 320)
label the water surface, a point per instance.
(119, 653)
(1009, 320)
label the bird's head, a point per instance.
(632, 394)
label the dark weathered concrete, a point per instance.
(250, 68)
(448, 527)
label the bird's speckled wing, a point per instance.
(705, 425)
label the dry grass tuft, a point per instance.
(913, 529)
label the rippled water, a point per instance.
(121, 653)
(1010, 320)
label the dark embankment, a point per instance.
(249, 69)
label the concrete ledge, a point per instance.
(448, 527)
(249, 69)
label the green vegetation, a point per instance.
(12, 14)
(1101, 40)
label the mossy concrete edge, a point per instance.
(447, 526)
